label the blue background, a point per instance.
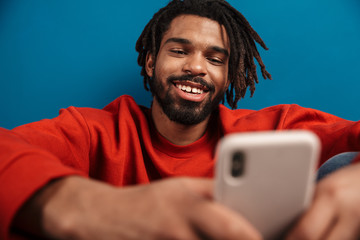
(54, 54)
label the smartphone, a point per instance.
(268, 177)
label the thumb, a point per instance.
(202, 186)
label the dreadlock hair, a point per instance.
(242, 69)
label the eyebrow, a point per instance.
(186, 41)
(221, 50)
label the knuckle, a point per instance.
(330, 188)
(65, 228)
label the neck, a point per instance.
(176, 133)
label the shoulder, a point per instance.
(245, 113)
(254, 120)
(122, 104)
(283, 116)
(122, 109)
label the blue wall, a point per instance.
(58, 53)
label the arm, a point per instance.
(335, 210)
(79, 208)
(33, 155)
(65, 206)
(22, 173)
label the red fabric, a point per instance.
(120, 145)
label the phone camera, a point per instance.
(237, 165)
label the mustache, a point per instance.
(191, 78)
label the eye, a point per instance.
(215, 61)
(178, 51)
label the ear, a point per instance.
(227, 84)
(149, 64)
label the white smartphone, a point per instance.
(268, 177)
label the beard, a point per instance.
(180, 110)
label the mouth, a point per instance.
(190, 87)
(191, 91)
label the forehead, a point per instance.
(198, 30)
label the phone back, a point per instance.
(268, 177)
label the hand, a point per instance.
(335, 211)
(178, 208)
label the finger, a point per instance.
(346, 227)
(316, 221)
(218, 222)
(201, 186)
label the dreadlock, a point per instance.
(242, 69)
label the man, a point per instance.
(83, 174)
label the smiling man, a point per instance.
(90, 173)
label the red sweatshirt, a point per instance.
(120, 145)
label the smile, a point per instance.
(189, 89)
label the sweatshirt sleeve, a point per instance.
(34, 154)
(337, 135)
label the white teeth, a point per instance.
(189, 89)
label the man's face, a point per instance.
(190, 74)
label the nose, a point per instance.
(195, 65)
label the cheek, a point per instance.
(167, 67)
(220, 77)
